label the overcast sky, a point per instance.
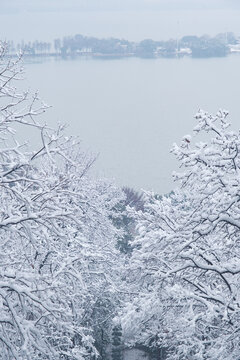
(97, 5)
(130, 19)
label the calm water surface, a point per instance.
(130, 111)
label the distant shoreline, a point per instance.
(115, 56)
(77, 46)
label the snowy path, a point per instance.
(135, 354)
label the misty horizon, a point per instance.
(133, 25)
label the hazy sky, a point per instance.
(104, 5)
(130, 19)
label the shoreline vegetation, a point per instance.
(193, 46)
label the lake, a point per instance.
(131, 110)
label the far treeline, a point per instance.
(194, 46)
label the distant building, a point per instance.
(184, 51)
(84, 50)
(234, 48)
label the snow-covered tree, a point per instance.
(186, 261)
(57, 242)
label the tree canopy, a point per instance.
(57, 240)
(185, 266)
